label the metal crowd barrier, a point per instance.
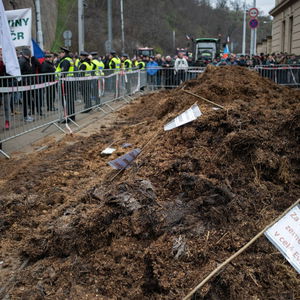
(32, 102)
(168, 77)
(288, 75)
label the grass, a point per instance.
(65, 8)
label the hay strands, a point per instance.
(228, 260)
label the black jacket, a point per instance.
(29, 66)
(48, 67)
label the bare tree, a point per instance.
(221, 4)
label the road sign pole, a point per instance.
(254, 33)
(80, 26)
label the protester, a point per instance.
(152, 69)
(168, 72)
(180, 66)
(49, 69)
(28, 96)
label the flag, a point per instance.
(226, 52)
(9, 55)
(37, 52)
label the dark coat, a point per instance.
(46, 68)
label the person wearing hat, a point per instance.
(85, 86)
(140, 63)
(98, 67)
(66, 68)
(127, 66)
(114, 65)
(98, 64)
(126, 62)
(115, 61)
(49, 69)
(31, 99)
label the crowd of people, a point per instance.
(168, 71)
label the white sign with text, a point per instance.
(285, 236)
(20, 21)
(188, 116)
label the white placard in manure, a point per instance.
(125, 160)
(108, 151)
(188, 116)
(285, 236)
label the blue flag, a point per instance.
(36, 50)
(226, 52)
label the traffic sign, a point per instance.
(253, 12)
(253, 23)
(68, 43)
(67, 34)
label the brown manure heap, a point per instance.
(194, 196)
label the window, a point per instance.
(291, 24)
(283, 36)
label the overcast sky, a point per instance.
(264, 5)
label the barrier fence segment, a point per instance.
(169, 77)
(288, 75)
(32, 102)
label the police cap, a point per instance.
(48, 55)
(94, 53)
(113, 52)
(83, 53)
(125, 55)
(64, 49)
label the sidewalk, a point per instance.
(40, 139)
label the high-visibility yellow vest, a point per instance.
(117, 62)
(89, 68)
(77, 63)
(71, 68)
(129, 64)
(99, 66)
(141, 65)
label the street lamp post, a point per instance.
(244, 30)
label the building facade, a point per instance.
(286, 26)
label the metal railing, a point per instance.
(169, 77)
(35, 101)
(288, 75)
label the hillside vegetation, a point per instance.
(146, 23)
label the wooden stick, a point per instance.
(204, 99)
(137, 124)
(228, 260)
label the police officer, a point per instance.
(98, 66)
(126, 62)
(114, 65)
(87, 66)
(115, 61)
(140, 63)
(127, 66)
(65, 67)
